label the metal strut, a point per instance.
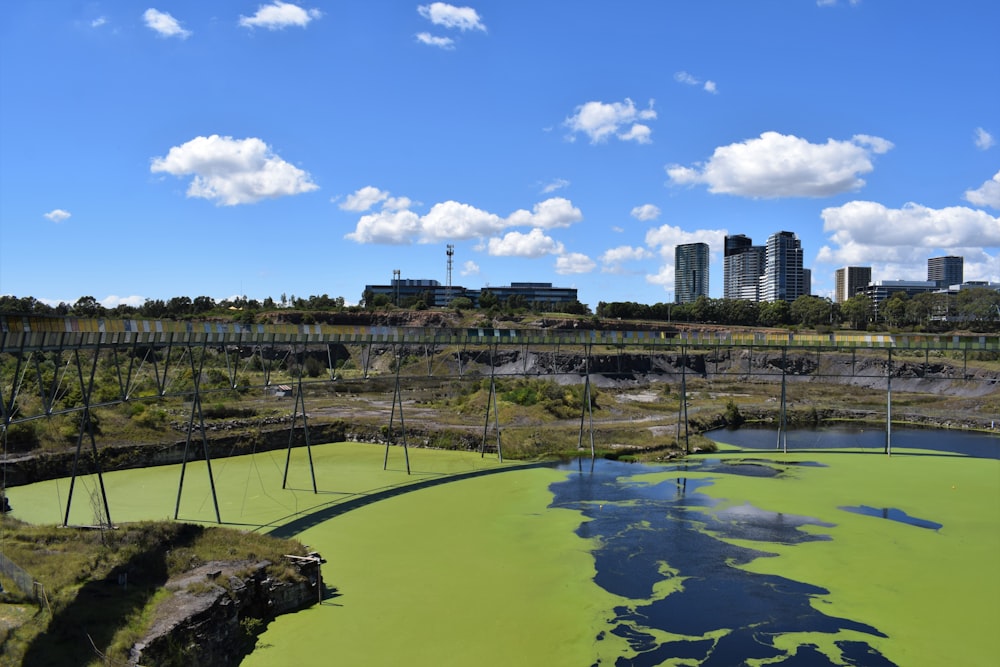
(397, 396)
(888, 405)
(491, 399)
(196, 409)
(299, 399)
(682, 408)
(87, 426)
(587, 409)
(782, 443)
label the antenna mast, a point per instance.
(447, 290)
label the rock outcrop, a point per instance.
(216, 611)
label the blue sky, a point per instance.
(224, 148)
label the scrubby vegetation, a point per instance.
(99, 587)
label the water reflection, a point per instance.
(893, 514)
(659, 534)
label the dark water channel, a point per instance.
(654, 534)
(866, 438)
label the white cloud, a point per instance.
(574, 262)
(599, 121)
(113, 301)
(432, 40)
(470, 268)
(58, 215)
(684, 77)
(778, 165)
(987, 194)
(164, 24)
(363, 199)
(98, 22)
(646, 212)
(452, 220)
(533, 244)
(449, 16)
(233, 171)
(984, 140)
(551, 213)
(690, 80)
(614, 259)
(387, 227)
(900, 241)
(279, 15)
(557, 184)
(833, 3)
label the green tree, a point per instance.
(488, 299)
(811, 310)
(87, 306)
(857, 310)
(774, 313)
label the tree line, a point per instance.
(977, 308)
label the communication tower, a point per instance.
(450, 250)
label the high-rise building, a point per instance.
(849, 280)
(946, 271)
(690, 272)
(743, 265)
(782, 279)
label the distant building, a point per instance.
(743, 265)
(807, 282)
(782, 279)
(849, 280)
(535, 294)
(434, 294)
(881, 290)
(690, 272)
(946, 271)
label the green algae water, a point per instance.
(693, 563)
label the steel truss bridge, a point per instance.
(149, 356)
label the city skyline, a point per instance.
(306, 148)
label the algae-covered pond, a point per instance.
(733, 558)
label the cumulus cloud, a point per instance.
(279, 15)
(984, 140)
(449, 16)
(900, 240)
(574, 262)
(600, 121)
(454, 220)
(446, 43)
(164, 24)
(233, 171)
(387, 227)
(646, 212)
(396, 224)
(551, 213)
(987, 194)
(98, 22)
(778, 165)
(615, 260)
(363, 199)
(516, 244)
(58, 215)
(470, 268)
